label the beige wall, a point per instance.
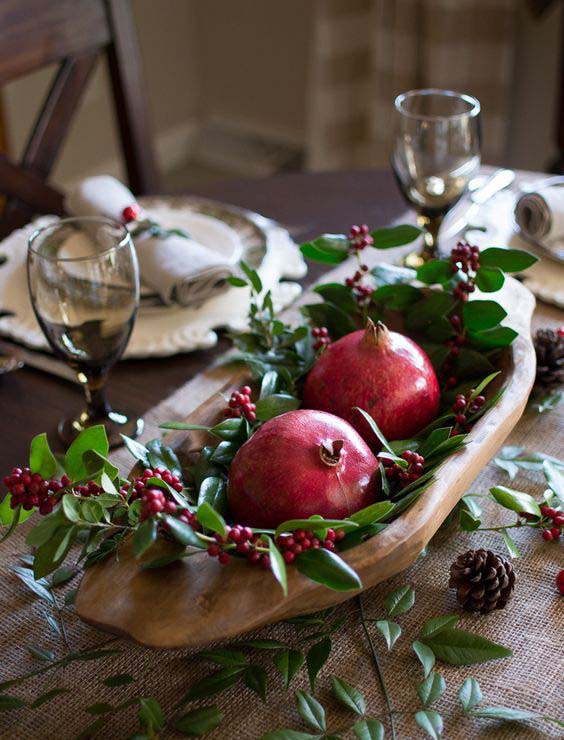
(245, 62)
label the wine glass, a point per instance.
(83, 281)
(436, 151)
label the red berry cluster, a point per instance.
(463, 407)
(560, 581)
(465, 258)
(300, 540)
(90, 489)
(407, 475)
(359, 238)
(555, 517)
(240, 539)
(321, 336)
(136, 489)
(155, 501)
(240, 405)
(362, 293)
(31, 490)
(130, 213)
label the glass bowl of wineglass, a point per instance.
(83, 281)
(436, 151)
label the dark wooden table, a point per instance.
(32, 401)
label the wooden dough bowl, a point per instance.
(197, 601)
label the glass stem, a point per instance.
(94, 384)
(431, 225)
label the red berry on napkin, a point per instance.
(560, 582)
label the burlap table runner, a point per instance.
(531, 625)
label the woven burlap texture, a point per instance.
(531, 626)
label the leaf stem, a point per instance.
(378, 667)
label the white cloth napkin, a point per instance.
(540, 214)
(180, 270)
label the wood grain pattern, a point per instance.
(121, 598)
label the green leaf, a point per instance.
(199, 721)
(150, 714)
(337, 321)
(137, 450)
(213, 684)
(339, 295)
(232, 430)
(10, 702)
(47, 696)
(330, 249)
(255, 678)
(515, 500)
(513, 715)
(119, 679)
(395, 236)
(145, 535)
(509, 260)
(210, 519)
(316, 658)
(368, 729)
(314, 524)
(288, 662)
(51, 554)
(438, 624)
(41, 459)
(499, 336)
(41, 654)
(458, 647)
(554, 478)
(470, 694)
(431, 689)
(390, 630)
(72, 507)
(435, 271)
(163, 456)
(237, 282)
(328, 569)
(489, 279)
(396, 297)
(183, 532)
(264, 644)
(93, 438)
(388, 274)
(375, 428)
(480, 315)
(12, 517)
(430, 722)
(372, 514)
(213, 491)
(512, 548)
(468, 522)
(400, 601)
(269, 384)
(252, 275)
(62, 575)
(311, 711)
(99, 707)
(348, 696)
(276, 404)
(425, 655)
(224, 453)
(277, 565)
(224, 656)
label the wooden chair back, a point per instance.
(74, 34)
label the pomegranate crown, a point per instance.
(375, 334)
(330, 452)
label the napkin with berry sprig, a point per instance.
(176, 266)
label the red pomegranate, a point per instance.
(382, 372)
(299, 464)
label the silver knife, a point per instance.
(498, 181)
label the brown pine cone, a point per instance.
(549, 346)
(483, 580)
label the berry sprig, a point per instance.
(240, 405)
(359, 238)
(414, 470)
(362, 293)
(30, 490)
(131, 213)
(554, 517)
(321, 336)
(466, 259)
(135, 489)
(293, 544)
(464, 408)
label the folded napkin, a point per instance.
(540, 214)
(179, 269)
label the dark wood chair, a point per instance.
(74, 33)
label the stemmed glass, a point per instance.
(436, 151)
(83, 281)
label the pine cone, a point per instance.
(483, 580)
(549, 346)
